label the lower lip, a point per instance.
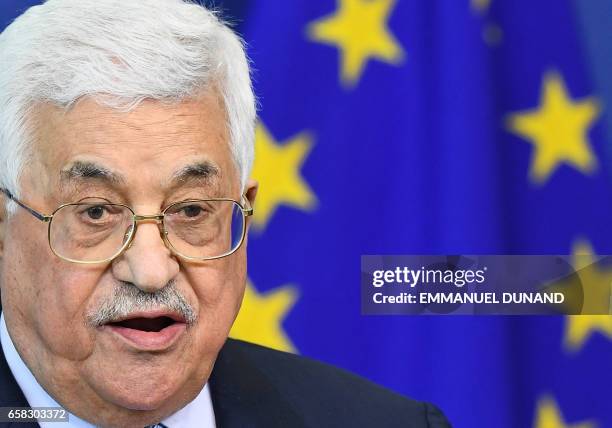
(150, 340)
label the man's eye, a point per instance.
(192, 210)
(95, 212)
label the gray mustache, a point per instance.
(127, 299)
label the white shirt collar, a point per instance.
(197, 413)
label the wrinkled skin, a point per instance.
(90, 371)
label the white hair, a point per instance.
(120, 52)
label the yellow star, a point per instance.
(261, 316)
(277, 169)
(587, 292)
(359, 28)
(549, 416)
(580, 327)
(558, 130)
(596, 288)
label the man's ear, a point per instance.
(250, 192)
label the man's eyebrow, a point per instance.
(90, 170)
(200, 171)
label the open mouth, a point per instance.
(145, 324)
(149, 331)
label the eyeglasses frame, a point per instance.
(246, 209)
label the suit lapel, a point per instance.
(243, 396)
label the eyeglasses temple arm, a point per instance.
(35, 213)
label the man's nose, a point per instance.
(147, 263)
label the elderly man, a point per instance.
(126, 141)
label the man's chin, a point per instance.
(128, 405)
(144, 403)
(140, 384)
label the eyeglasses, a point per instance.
(97, 231)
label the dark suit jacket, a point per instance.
(253, 386)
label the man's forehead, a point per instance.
(177, 144)
(90, 116)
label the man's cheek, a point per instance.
(219, 290)
(60, 309)
(218, 295)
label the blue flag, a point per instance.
(417, 127)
